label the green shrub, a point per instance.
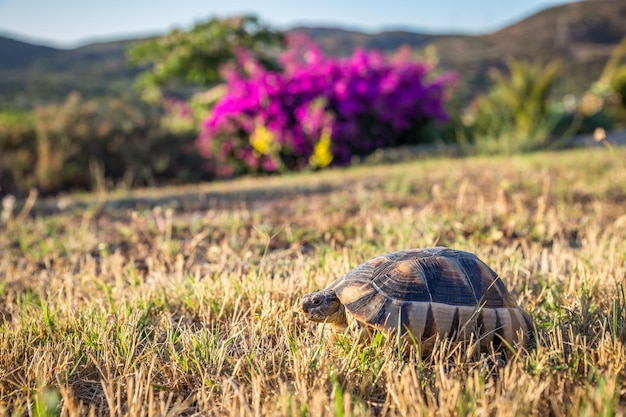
(17, 138)
(619, 84)
(84, 145)
(195, 56)
(513, 116)
(608, 94)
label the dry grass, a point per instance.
(146, 304)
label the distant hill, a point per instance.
(19, 55)
(32, 74)
(582, 35)
(340, 42)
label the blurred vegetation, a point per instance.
(17, 145)
(87, 144)
(195, 56)
(513, 116)
(609, 91)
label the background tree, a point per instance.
(195, 56)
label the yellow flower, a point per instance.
(262, 139)
(322, 152)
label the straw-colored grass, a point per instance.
(185, 301)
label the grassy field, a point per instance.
(185, 301)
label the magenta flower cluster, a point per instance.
(366, 101)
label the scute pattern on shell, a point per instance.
(432, 291)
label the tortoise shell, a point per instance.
(430, 292)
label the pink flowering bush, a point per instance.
(318, 108)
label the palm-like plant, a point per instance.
(524, 92)
(513, 116)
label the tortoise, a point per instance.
(425, 293)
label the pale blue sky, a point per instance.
(68, 23)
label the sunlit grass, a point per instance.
(185, 301)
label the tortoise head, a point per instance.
(324, 306)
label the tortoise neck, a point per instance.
(339, 317)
